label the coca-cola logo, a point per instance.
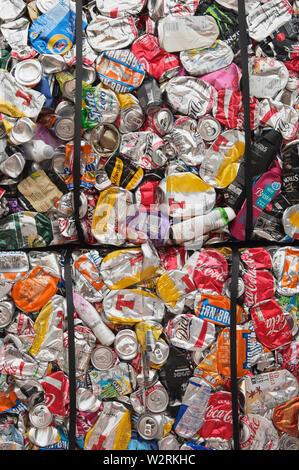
(250, 279)
(275, 324)
(219, 414)
(252, 427)
(49, 399)
(218, 275)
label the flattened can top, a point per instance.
(209, 128)
(6, 313)
(103, 357)
(125, 344)
(40, 416)
(28, 72)
(150, 426)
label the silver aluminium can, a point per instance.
(150, 426)
(103, 357)
(160, 353)
(7, 311)
(125, 344)
(40, 416)
(157, 398)
(209, 128)
(64, 128)
(288, 442)
(105, 139)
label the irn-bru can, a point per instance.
(216, 309)
(243, 352)
(207, 369)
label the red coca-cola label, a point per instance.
(56, 388)
(259, 286)
(258, 257)
(270, 324)
(210, 272)
(218, 417)
(229, 109)
(85, 420)
(258, 283)
(154, 59)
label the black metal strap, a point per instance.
(243, 41)
(77, 136)
(233, 345)
(71, 347)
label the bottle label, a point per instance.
(267, 195)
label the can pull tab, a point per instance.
(26, 97)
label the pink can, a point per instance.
(226, 78)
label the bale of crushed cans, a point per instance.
(162, 180)
(152, 349)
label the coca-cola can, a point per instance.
(257, 433)
(218, 417)
(156, 61)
